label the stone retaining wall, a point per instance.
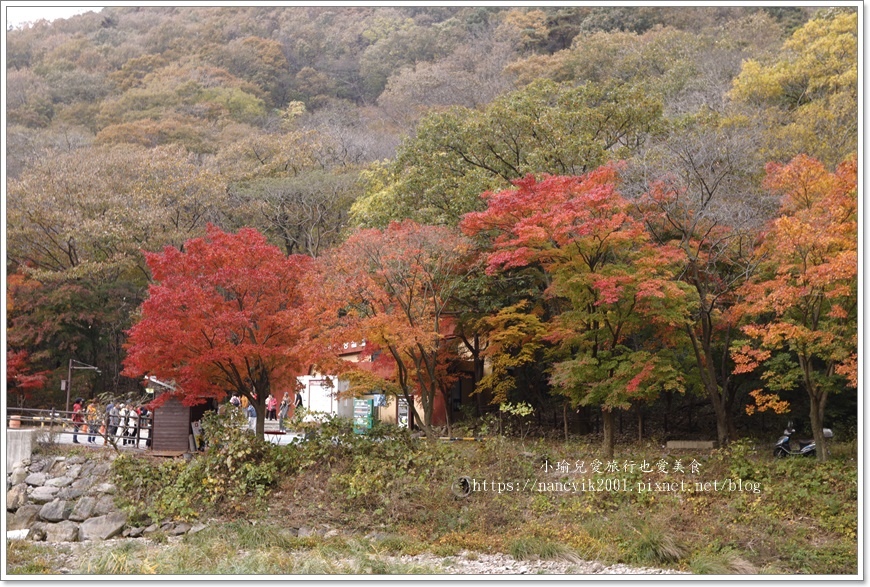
(19, 446)
(68, 499)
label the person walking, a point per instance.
(271, 405)
(282, 411)
(93, 418)
(113, 421)
(77, 419)
(252, 416)
(107, 420)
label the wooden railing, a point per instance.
(63, 427)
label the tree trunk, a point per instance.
(608, 419)
(565, 419)
(260, 427)
(260, 407)
(725, 431)
(706, 361)
(668, 397)
(424, 423)
(817, 417)
(639, 423)
(447, 406)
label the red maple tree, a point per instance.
(608, 282)
(225, 314)
(20, 380)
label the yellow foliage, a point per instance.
(808, 96)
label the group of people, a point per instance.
(274, 410)
(117, 420)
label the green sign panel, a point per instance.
(363, 415)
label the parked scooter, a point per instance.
(804, 448)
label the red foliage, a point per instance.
(536, 221)
(225, 314)
(611, 281)
(19, 379)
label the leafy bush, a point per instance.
(153, 490)
(387, 471)
(518, 423)
(237, 466)
(384, 471)
(235, 472)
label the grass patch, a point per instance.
(126, 558)
(373, 565)
(247, 536)
(395, 544)
(653, 545)
(27, 558)
(532, 547)
(724, 562)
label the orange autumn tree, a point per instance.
(803, 305)
(224, 314)
(393, 288)
(614, 296)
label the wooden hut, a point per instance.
(171, 424)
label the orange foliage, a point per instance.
(766, 401)
(804, 301)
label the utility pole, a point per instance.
(78, 365)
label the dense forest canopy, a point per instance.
(134, 128)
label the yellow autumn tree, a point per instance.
(807, 96)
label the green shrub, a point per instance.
(236, 472)
(236, 466)
(154, 490)
(744, 462)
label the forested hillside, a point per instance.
(133, 129)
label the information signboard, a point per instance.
(402, 417)
(363, 410)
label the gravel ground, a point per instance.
(502, 564)
(68, 557)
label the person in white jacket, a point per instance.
(133, 427)
(122, 423)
